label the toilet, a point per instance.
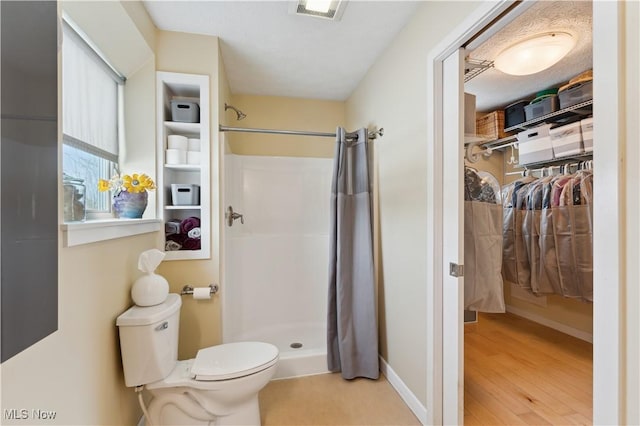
(218, 387)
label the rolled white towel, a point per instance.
(194, 233)
(172, 246)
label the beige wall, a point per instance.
(396, 79)
(568, 312)
(393, 95)
(137, 152)
(274, 112)
(200, 321)
(77, 371)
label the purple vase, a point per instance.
(130, 205)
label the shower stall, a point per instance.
(276, 257)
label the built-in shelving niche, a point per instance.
(195, 88)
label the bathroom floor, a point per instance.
(327, 399)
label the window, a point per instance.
(91, 99)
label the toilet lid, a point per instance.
(232, 360)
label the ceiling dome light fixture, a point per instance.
(534, 54)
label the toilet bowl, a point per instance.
(219, 386)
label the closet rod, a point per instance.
(372, 134)
(550, 168)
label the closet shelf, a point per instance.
(469, 138)
(182, 207)
(184, 167)
(184, 127)
(475, 67)
(558, 161)
(564, 115)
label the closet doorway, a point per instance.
(527, 254)
(446, 66)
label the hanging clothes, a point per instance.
(576, 214)
(564, 241)
(548, 234)
(535, 236)
(483, 285)
(550, 274)
(584, 235)
(352, 331)
(513, 270)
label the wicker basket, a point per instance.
(491, 126)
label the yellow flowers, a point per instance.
(103, 185)
(130, 183)
(137, 183)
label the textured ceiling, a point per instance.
(267, 51)
(494, 89)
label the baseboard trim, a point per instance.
(407, 396)
(579, 334)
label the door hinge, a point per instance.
(456, 270)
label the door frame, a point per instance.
(609, 279)
(453, 229)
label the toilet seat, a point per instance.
(219, 363)
(232, 360)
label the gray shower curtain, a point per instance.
(352, 332)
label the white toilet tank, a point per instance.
(149, 341)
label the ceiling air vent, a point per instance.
(326, 9)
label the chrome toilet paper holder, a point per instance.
(187, 289)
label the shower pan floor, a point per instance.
(302, 347)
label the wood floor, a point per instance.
(327, 399)
(518, 372)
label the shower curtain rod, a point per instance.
(372, 134)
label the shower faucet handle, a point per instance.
(231, 216)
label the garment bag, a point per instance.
(532, 233)
(583, 231)
(483, 285)
(522, 256)
(548, 253)
(509, 200)
(562, 212)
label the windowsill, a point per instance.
(78, 233)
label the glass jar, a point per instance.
(74, 199)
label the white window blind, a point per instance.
(90, 99)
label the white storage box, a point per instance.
(185, 194)
(566, 140)
(587, 134)
(535, 145)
